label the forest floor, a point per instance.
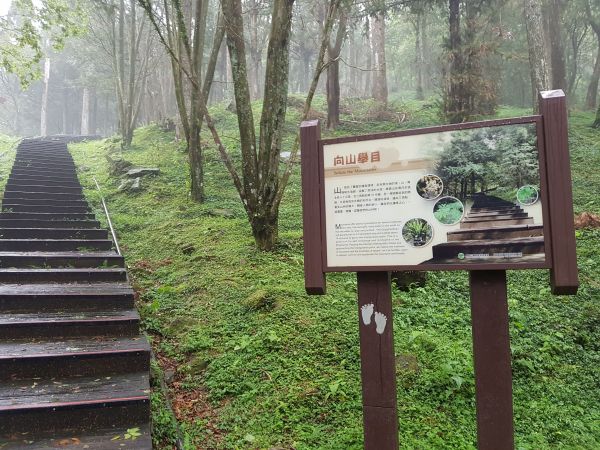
(252, 362)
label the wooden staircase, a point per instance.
(73, 365)
(492, 227)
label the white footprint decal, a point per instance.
(366, 312)
(380, 322)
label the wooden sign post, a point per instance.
(406, 201)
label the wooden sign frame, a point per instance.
(555, 185)
(488, 287)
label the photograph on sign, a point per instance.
(459, 197)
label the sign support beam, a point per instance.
(377, 361)
(491, 351)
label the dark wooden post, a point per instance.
(377, 361)
(314, 278)
(491, 353)
(563, 276)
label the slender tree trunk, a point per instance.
(455, 107)
(369, 61)
(592, 91)
(333, 75)
(557, 50)
(93, 112)
(419, 56)
(85, 112)
(538, 65)
(596, 123)
(380, 88)
(44, 106)
(65, 111)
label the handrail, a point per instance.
(110, 225)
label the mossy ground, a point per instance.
(259, 364)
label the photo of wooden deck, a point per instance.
(494, 230)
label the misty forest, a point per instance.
(175, 125)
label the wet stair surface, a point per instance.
(493, 227)
(73, 365)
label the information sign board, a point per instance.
(452, 197)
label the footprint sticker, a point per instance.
(367, 312)
(380, 322)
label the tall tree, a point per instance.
(557, 49)
(258, 181)
(380, 87)
(185, 46)
(540, 77)
(333, 72)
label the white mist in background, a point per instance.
(4, 7)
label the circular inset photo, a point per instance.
(448, 210)
(430, 187)
(417, 232)
(528, 195)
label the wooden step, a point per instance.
(40, 207)
(34, 181)
(59, 275)
(65, 297)
(42, 187)
(74, 403)
(61, 259)
(507, 232)
(54, 245)
(494, 216)
(53, 233)
(495, 223)
(48, 202)
(112, 323)
(8, 195)
(70, 217)
(39, 171)
(37, 223)
(102, 439)
(45, 178)
(65, 357)
(527, 245)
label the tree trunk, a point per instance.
(596, 123)
(538, 65)
(419, 55)
(333, 75)
(455, 108)
(369, 61)
(85, 112)
(557, 50)
(44, 105)
(592, 91)
(380, 89)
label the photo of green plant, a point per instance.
(430, 187)
(417, 232)
(527, 195)
(448, 210)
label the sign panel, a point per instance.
(455, 197)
